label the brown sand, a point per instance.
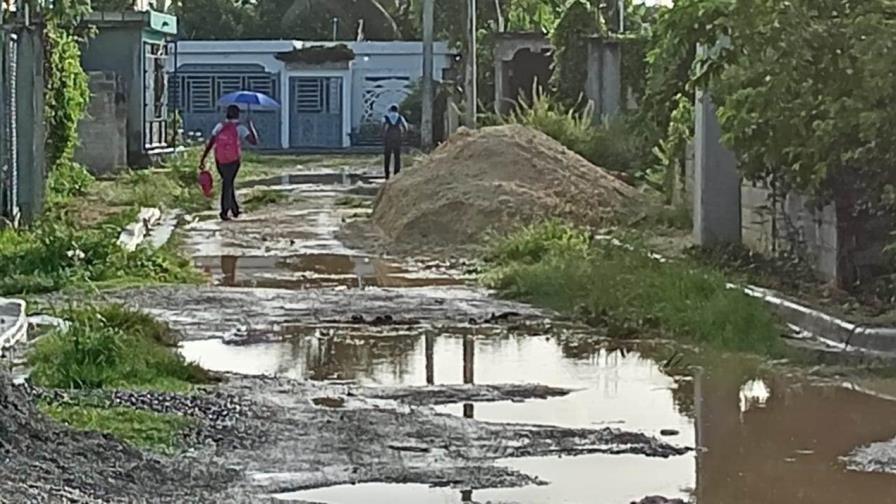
(492, 180)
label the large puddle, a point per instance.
(619, 389)
(761, 439)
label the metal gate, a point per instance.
(9, 179)
(315, 115)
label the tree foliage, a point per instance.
(570, 39)
(807, 95)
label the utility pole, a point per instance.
(472, 98)
(426, 125)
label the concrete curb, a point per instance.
(161, 233)
(825, 327)
(13, 322)
(133, 234)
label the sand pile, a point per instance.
(492, 180)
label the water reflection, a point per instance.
(786, 451)
(764, 439)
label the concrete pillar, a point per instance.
(603, 85)
(30, 124)
(611, 79)
(500, 82)
(717, 213)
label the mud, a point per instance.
(351, 378)
(368, 439)
(215, 312)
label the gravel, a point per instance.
(42, 461)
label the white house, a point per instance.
(325, 104)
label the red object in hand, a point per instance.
(206, 183)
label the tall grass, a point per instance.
(626, 291)
(111, 347)
(610, 144)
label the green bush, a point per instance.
(109, 347)
(626, 291)
(68, 180)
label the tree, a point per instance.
(570, 38)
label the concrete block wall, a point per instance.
(103, 131)
(790, 225)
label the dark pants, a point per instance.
(393, 150)
(228, 190)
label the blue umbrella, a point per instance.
(249, 100)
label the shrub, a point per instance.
(110, 347)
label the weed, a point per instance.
(627, 291)
(260, 198)
(67, 180)
(611, 145)
(153, 431)
(531, 244)
(352, 202)
(109, 347)
(56, 254)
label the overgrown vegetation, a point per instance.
(75, 244)
(111, 347)
(610, 145)
(260, 198)
(570, 39)
(55, 255)
(152, 431)
(623, 289)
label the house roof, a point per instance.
(280, 46)
(158, 21)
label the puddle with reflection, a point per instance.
(610, 479)
(315, 270)
(765, 439)
(331, 178)
(621, 389)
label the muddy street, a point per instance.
(374, 379)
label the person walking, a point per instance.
(227, 137)
(394, 128)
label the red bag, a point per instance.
(227, 144)
(206, 183)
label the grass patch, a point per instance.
(143, 429)
(75, 243)
(57, 254)
(352, 202)
(260, 198)
(111, 347)
(626, 291)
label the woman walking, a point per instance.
(226, 139)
